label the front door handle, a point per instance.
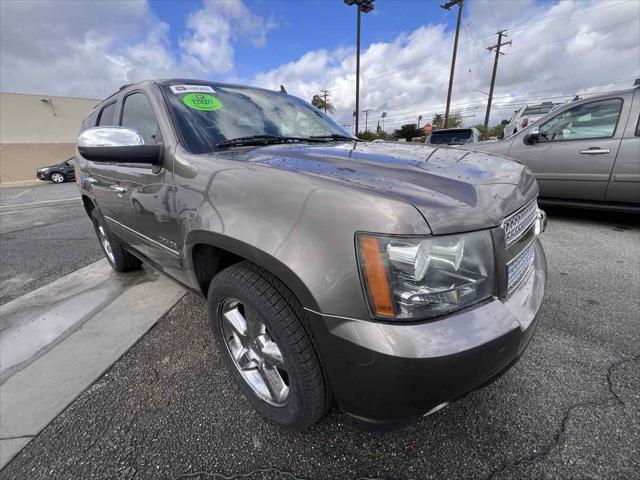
(118, 189)
(595, 151)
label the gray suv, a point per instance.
(390, 279)
(585, 153)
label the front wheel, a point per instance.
(57, 177)
(258, 325)
(119, 259)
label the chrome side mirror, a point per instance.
(532, 137)
(118, 145)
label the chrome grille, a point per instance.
(518, 223)
(518, 268)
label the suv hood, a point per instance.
(455, 190)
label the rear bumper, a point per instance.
(385, 374)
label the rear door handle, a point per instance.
(118, 189)
(595, 151)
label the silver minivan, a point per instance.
(585, 153)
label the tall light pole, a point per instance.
(448, 6)
(364, 6)
(383, 116)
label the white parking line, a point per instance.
(57, 340)
(42, 202)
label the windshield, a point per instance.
(450, 137)
(208, 115)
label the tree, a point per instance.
(438, 121)
(318, 102)
(497, 131)
(484, 132)
(367, 136)
(408, 131)
(455, 120)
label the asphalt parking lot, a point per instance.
(569, 409)
(42, 236)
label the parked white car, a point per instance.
(525, 116)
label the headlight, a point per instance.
(416, 277)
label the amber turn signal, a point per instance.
(376, 277)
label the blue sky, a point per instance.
(307, 25)
(560, 48)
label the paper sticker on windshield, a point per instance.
(202, 101)
(192, 88)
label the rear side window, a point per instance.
(107, 116)
(589, 120)
(138, 114)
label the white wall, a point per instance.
(26, 119)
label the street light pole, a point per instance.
(364, 6)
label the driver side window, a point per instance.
(137, 113)
(589, 120)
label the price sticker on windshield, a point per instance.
(202, 101)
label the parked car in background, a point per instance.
(58, 173)
(391, 277)
(585, 153)
(454, 136)
(525, 116)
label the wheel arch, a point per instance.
(201, 245)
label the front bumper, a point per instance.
(42, 175)
(384, 374)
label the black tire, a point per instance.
(58, 177)
(281, 313)
(118, 257)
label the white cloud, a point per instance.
(76, 48)
(89, 49)
(569, 47)
(213, 28)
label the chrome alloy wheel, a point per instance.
(57, 178)
(105, 243)
(254, 353)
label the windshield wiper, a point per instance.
(252, 140)
(267, 139)
(334, 136)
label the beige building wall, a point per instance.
(35, 133)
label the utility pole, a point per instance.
(501, 33)
(419, 118)
(325, 94)
(447, 6)
(364, 6)
(383, 116)
(366, 119)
